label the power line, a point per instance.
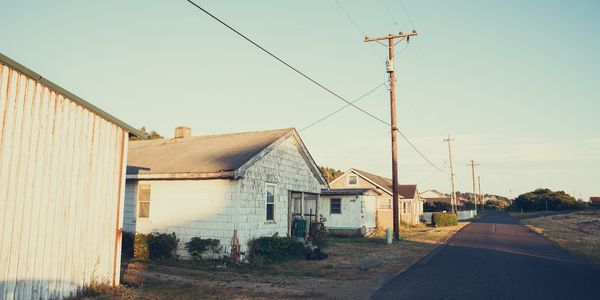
(356, 26)
(287, 64)
(313, 81)
(342, 108)
(406, 13)
(389, 13)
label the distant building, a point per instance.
(431, 196)
(595, 200)
(374, 193)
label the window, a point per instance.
(352, 180)
(144, 201)
(404, 207)
(385, 204)
(336, 206)
(270, 202)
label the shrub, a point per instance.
(318, 233)
(196, 246)
(162, 245)
(127, 239)
(140, 246)
(439, 219)
(275, 249)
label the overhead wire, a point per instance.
(313, 81)
(342, 108)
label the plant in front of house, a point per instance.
(162, 245)
(197, 246)
(274, 249)
(439, 219)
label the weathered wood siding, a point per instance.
(214, 208)
(61, 189)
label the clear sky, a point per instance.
(517, 83)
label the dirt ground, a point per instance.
(578, 232)
(355, 269)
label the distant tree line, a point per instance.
(152, 135)
(330, 173)
(542, 199)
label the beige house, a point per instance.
(410, 203)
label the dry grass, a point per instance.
(355, 269)
(578, 232)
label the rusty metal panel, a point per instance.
(61, 191)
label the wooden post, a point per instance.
(390, 70)
(453, 201)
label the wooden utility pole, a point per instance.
(479, 192)
(473, 164)
(390, 69)
(453, 195)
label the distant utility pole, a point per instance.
(390, 69)
(453, 194)
(480, 197)
(473, 164)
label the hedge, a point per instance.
(275, 249)
(153, 245)
(439, 219)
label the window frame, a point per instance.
(331, 212)
(140, 201)
(267, 188)
(352, 176)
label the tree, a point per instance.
(330, 174)
(153, 135)
(542, 199)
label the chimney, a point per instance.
(182, 131)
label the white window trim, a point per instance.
(348, 180)
(274, 185)
(137, 202)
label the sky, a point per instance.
(516, 83)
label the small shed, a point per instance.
(62, 177)
(230, 187)
(350, 211)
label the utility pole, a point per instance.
(480, 198)
(453, 194)
(473, 164)
(390, 69)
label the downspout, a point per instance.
(119, 230)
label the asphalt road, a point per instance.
(496, 258)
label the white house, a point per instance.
(62, 177)
(410, 204)
(349, 210)
(245, 185)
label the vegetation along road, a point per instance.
(496, 258)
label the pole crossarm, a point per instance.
(391, 36)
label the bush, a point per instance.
(162, 245)
(437, 206)
(196, 246)
(140, 246)
(539, 199)
(318, 233)
(275, 249)
(127, 239)
(444, 219)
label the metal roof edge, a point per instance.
(53, 86)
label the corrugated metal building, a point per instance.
(62, 176)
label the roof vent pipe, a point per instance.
(182, 132)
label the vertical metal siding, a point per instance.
(61, 192)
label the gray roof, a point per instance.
(206, 157)
(35, 76)
(406, 191)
